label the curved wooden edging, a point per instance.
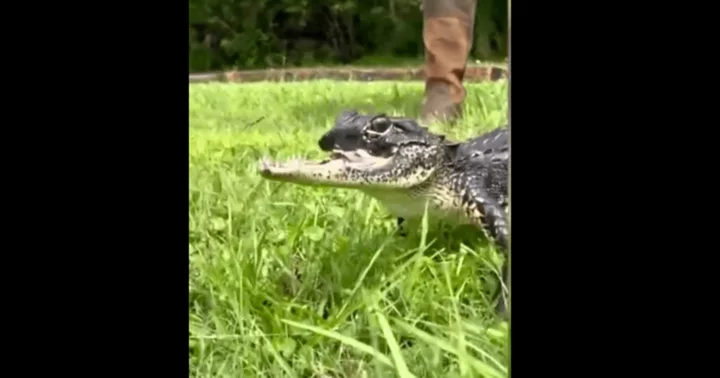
(474, 73)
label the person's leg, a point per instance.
(448, 37)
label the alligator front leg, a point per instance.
(487, 214)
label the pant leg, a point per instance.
(448, 37)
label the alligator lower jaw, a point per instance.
(289, 169)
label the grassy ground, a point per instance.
(382, 61)
(290, 281)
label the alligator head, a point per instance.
(373, 152)
(346, 135)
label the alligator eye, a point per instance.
(380, 125)
(377, 127)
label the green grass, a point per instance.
(372, 61)
(292, 281)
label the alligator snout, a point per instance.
(327, 142)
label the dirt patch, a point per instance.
(474, 73)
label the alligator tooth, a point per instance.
(266, 162)
(262, 165)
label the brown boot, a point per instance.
(448, 36)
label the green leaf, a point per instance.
(400, 364)
(480, 367)
(337, 211)
(315, 233)
(218, 224)
(345, 340)
(288, 347)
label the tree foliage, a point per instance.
(275, 33)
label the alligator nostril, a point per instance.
(326, 143)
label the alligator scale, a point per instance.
(408, 169)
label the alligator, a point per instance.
(411, 170)
(347, 135)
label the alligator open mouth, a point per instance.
(342, 167)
